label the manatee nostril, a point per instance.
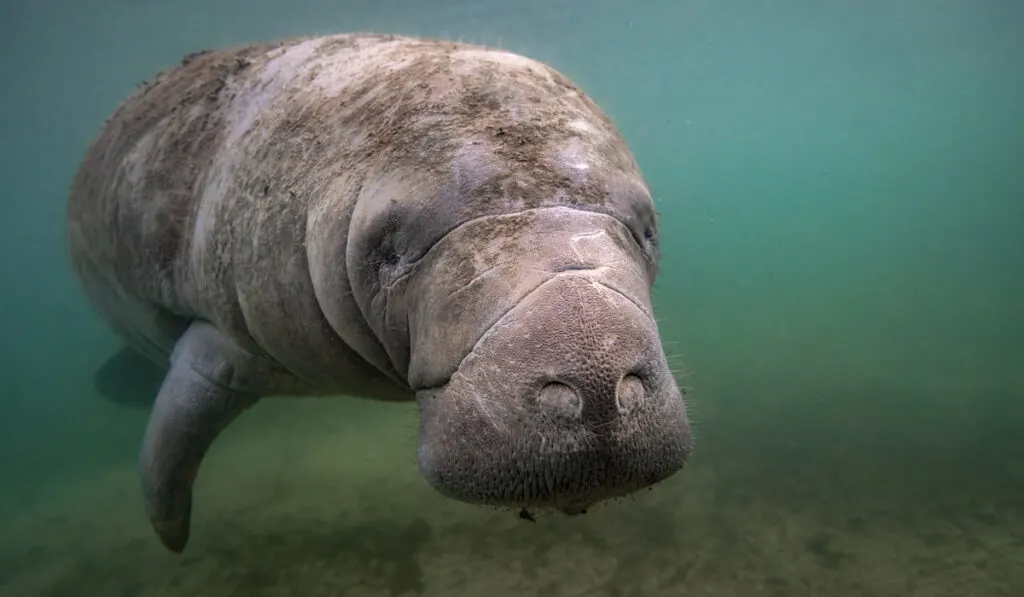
(630, 393)
(559, 399)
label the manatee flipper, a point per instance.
(129, 378)
(201, 395)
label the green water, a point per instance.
(841, 187)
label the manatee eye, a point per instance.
(650, 245)
(645, 236)
(388, 249)
(388, 255)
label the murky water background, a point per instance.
(842, 199)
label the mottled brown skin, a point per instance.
(390, 218)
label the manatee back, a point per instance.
(136, 190)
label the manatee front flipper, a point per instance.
(129, 378)
(205, 389)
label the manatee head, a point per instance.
(503, 251)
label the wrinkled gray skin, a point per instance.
(395, 219)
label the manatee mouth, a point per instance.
(532, 462)
(565, 403)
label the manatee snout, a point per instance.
(566, 400)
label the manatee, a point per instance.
(390, 218)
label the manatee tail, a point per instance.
(130, 379)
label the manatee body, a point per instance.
(390, 218)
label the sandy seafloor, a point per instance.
(307, 498)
